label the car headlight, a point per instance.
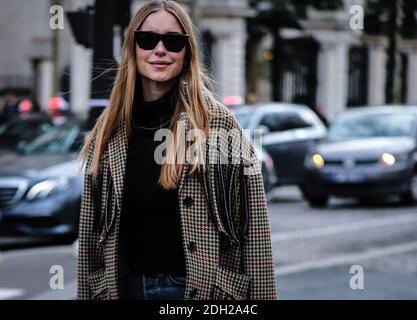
(43, 189)
(317, 161)
(387, 159)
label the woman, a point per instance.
(179, 228)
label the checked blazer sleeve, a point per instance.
(89, 256)
(257, 249)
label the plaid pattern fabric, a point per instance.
(213, 272)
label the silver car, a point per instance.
(288, 132)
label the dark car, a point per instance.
(21, 129)
(269, 177)
(288, 132)
(267, 164)
(368, 152)
(40, 188)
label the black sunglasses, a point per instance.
(172, 42)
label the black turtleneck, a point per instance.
(151, 227)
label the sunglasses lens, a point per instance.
(174, 43)
(149, 40)
(146, 41)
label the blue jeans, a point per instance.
(155, 287)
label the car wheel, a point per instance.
(410, 197)
(365, 199)
(317, 201)
(314, 200)
(267, 185)
(68, 239)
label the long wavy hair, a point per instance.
(119, 108)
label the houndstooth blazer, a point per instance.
(224, 221)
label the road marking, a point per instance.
(9, 293)
(346, 227)
(346, 259)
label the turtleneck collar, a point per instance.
(153, 113)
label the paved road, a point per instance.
(313, 251)
(26, 273)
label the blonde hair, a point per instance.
(119, 108)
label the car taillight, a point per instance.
(25, 106)
(232, 100)
(56, 103)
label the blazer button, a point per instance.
(193, 292)
(192, 246)
(188, 201)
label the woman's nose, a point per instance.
(160, 47)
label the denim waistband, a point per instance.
(156, 287)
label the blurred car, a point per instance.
(40, 188)
(267, 164)
(288, 132)
(268, 171)
(21, 129)
(5, 117)
(368, 152)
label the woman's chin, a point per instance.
(162, 79)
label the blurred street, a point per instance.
(24, 273)
(313, 249)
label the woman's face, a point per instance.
(171, 63)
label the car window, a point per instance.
(59, 140)
(373, 125)
(282, 121)
(243, 117)
(16, 130)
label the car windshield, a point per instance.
(368, 125)
(61, 139)
(15, 130)
(243, 117)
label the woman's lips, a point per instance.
(160, 65)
